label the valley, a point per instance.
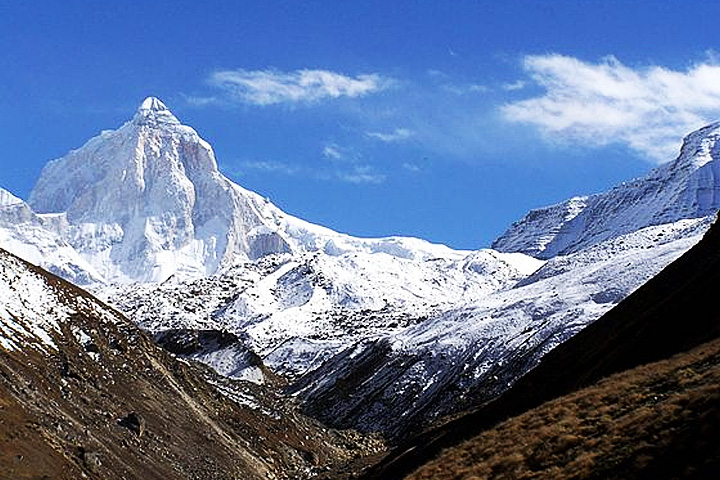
(289, 350)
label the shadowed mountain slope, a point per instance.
(85, 394)
(660, 420)
(672, 313)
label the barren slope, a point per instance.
(84, 392)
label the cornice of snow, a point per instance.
(153, 112)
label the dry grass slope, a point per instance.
(657, 421)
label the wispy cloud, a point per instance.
(397, 135)
(199, 101)
(347, 165)
(270, 87)
(517, 85)
(411, 167)
(333, 152)
(361, 174)
(447, 83)
(649, 109)
(465, 88)
(269, 166)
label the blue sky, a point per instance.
(442, 120)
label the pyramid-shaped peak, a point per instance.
(152, 111)
(152, 103)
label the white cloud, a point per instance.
(517, 85)
(361, 174)
(333, 152)
(649, 109)
(411, 167)
(270, 166)
(268, 87)
(397, 135)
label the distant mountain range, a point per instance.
(380, 335)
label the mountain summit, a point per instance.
(147, 201)
(152, 104)
(688, 187)
(152, 111)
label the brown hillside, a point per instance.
(116, 406)
(659, 421)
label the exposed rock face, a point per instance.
(133, 422)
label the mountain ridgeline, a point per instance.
(688, 187)
(379, 336)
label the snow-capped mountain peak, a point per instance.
(152, 111)
(152, 104)
(688, 187)
(701, 146)
(146, 202)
